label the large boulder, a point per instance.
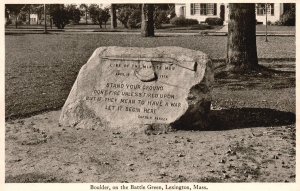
(133, 86)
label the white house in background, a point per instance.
(274, 11)
(33, 19)
(201, 11)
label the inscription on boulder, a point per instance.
(122, 87)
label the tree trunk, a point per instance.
(45, 19)
(86, 16)
(29, 16)
(241, 43)
(147, 28)
(16, 20)
(113, 16)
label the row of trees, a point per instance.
(241, 44)
(128, 14)
(98, 15)
(58, 14)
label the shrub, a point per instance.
(60, 15)
(19, 22)
(288, 18)
(201, 27)
(123, 15)
(214, 21)
(278, 23)
(134, 19)
(104, 15)
(74, 14)
(8, 22)
(99, 15)
(181, 21)
(160, 17)
(192, 22)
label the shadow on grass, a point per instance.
(14, 34)
(227, 119)
(269, 79)
(33, 178)
(162, 36)
(26, 33)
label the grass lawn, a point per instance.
(250, 115)
(165, 27)
(275, 28)
(41, 69)
(120, 28)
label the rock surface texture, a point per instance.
(129, 86)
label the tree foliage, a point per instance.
(127, 14)
(38, 9)
(60, 15)
(160, 17)
(84, 8)
(74, 13)
(99, 15)
(135, 19)
(288, 18)
(105, 15)
(163, 14)
(27, 10)
(15, 10)
(124, 12)
(19, 11)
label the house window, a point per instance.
(195, 9)
(260, 9)
(203, 9)
(182, 11)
